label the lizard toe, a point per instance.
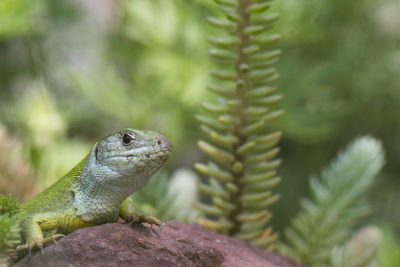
(38, 244)
(55, 237)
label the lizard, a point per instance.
(96, 190)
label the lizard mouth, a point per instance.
(145, 152)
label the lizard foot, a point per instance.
(39, 243)
(138, 218)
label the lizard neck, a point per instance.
(99, 191)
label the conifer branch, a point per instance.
(338, 203)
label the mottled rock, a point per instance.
(176, 244)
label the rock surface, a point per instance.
(176, 244)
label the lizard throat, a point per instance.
(100, 190)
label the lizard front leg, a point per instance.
(127, 211)
(32, 231)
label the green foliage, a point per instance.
(242, 146)
(338, 203)
(9, 231)
(152, 198)
(340, 81)
(168, 199)
(8, 205)
(389, 255)
(16, 17)
(360, 250)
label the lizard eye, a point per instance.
(127, 139)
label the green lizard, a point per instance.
(96, 190)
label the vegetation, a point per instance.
(9, 230)
(71, 72)
(242, 169)
(337, 206)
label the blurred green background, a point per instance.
(73, 71)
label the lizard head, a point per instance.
(117, 166)
(132, 152)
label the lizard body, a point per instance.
(97, 190)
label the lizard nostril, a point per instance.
(163, 142)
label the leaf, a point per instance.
(258, 7)
(220, 23)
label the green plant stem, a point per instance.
(241, 88)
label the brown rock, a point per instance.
(176, 244)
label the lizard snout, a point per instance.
(163, 142)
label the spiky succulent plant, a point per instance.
(240, 142)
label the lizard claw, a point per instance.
(138, 218)
(152, 220)
(56, 236)
(39, 243)
(41, 248)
